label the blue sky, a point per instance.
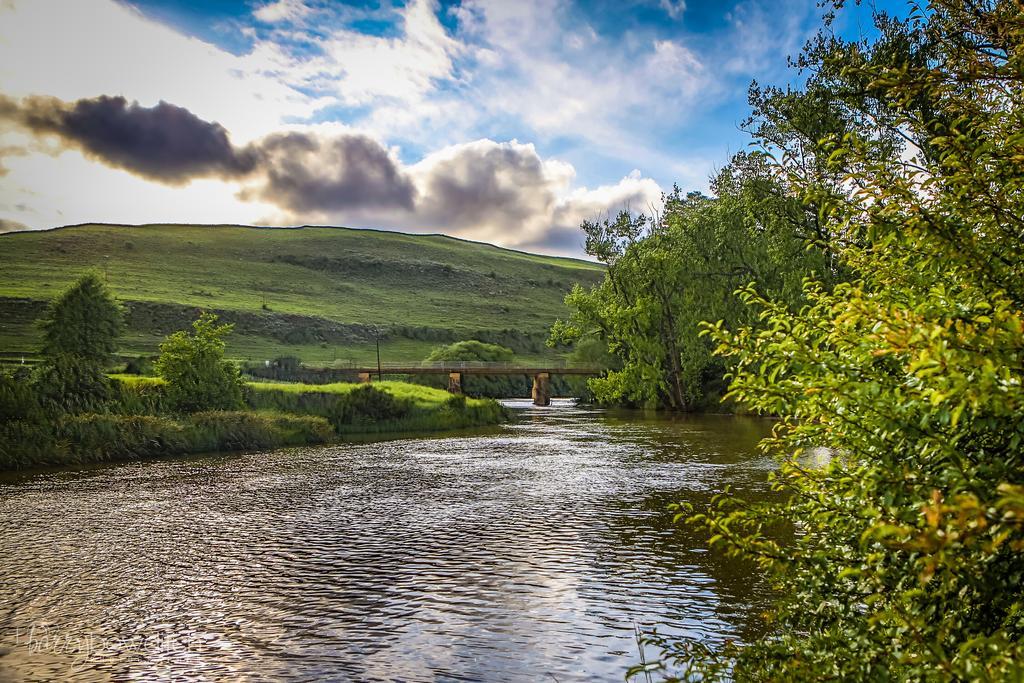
(503, 121)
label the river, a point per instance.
(525, 553)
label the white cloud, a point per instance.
(282, 10)
(673, 8)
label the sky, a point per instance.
(503, 121)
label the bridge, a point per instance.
(456, 369)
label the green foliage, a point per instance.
(471, 350)
(80, 330)
(666, 275)
(142, 365)
(369, 404)
(909, 561)
(83, 321)
(375, 408)
(133, 395)
(491, 386)
(71, 384)
(198, 378)
(101, 438)
(25, 433)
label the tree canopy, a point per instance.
(470, 350)
(669, 273)
(909, 561)
(83, 321)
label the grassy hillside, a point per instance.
(317, 293)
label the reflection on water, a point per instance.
(524, 554)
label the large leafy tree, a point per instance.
(193, 365)
(668, 274)
(909, 561)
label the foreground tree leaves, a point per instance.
(907, 559)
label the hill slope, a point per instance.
(315, 292)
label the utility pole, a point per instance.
(380, 375)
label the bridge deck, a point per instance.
(474, 369)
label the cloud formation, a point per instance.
(497, 191)
(165, 143)
(305, 174)
(171, 145)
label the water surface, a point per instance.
(524, 554)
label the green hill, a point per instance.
(319, 293)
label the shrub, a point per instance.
(369, 404)
(71, 384)
(104, 437)
(25, 435)
(198, 378)
(909, 561)
(140, 365)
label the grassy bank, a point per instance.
(363, 409)
(278, 415)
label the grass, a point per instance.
(95, 438)
(312, 292)
(421, 396)
(380, 407)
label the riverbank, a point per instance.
(139, 425)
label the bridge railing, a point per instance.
(465, 365)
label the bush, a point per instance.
(71, 384)
(471, 350)
(141, 365)
(25, 434)
(99, 438)
(198, 378)
(369, 404)
(363, 405)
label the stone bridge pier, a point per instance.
(542, 389)
(455, 382)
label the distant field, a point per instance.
(317, 293)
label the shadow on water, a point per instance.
(524, 553)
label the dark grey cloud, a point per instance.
(485, 179)
(171, 145)
(558, 239)
(165, 143)
(305, 173)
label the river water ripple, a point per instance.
(522, 554)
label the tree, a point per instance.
(471, 350)
(909, 564)
(80, 331)
(84, 321)
(668, 274)
(193, 365)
